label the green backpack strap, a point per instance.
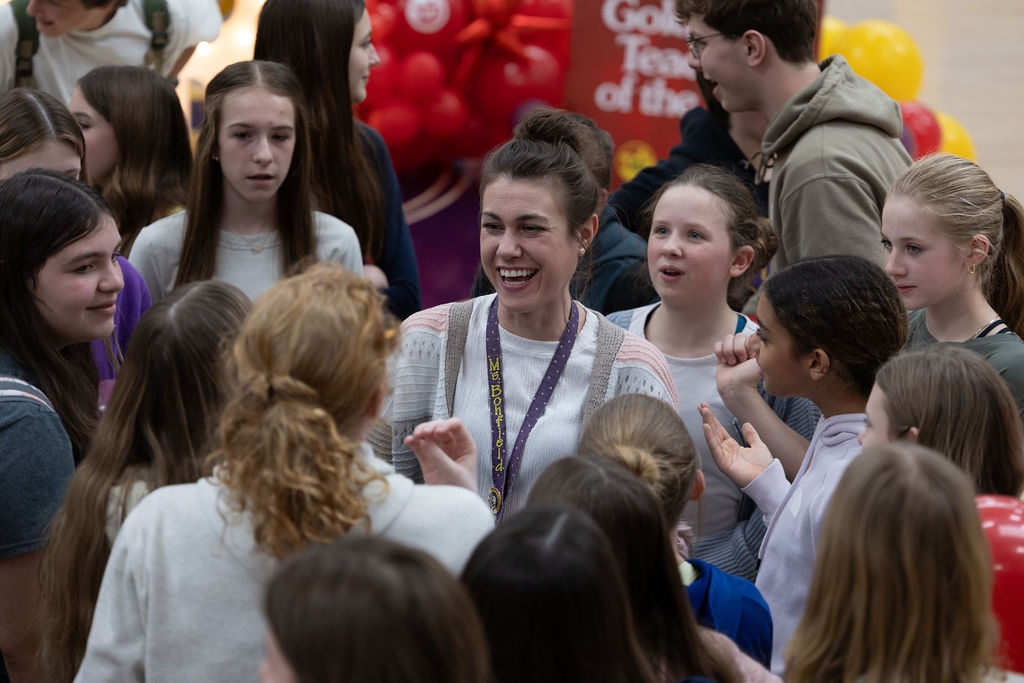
(158, 19)
(27, 45)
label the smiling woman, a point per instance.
(249, 216)
(524, 366)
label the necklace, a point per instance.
(256, 242)
(987, 327)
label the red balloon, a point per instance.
(1002, 519)
(446, 116)
(382, 19)
(558, 42)
(382, 80)
(503, 83)
(921, 122)
(420, 77)
(429, 24)
(397, 122)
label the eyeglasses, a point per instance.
(696, 43)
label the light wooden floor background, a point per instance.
(974, 69)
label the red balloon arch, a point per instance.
(456, 76)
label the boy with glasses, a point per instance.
(832, 143)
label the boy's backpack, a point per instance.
(157, 20)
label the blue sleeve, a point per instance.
(397, 257)
(35, 466)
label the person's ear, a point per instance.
(818, 364)
(698, 486)
(756, 46)
(741, 260)
(977, 251)
(912, 434)
(588, 230)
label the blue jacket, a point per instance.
(734, 607)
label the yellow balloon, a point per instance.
(955, 138)
(829, 32)
(884, 54)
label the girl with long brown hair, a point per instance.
(308, 372)
(37, 131)
(250, 216)
(154, 433)
(136, 144)
(59, 279)
(353, 178)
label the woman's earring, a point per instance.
(970, 268)
(583, 248)
(215, 157)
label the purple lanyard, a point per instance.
(503, 472)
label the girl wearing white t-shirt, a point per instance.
(249, 218)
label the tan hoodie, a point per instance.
(834, 149)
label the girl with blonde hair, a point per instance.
(949, 399)
(902, 583)
(180, 596)
(955, 250)
(154, 433)
(648, 438)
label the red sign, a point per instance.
(628, 72)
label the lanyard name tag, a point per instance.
(505, 465)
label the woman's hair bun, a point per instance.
(553, 126)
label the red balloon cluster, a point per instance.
(456, 75)
(1002, 519)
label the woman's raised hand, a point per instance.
(742, 464)
(446, 452)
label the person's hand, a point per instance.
(446, 452)
(375, 275)
(737, 364)
(741, 464)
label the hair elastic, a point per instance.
(1002, 197)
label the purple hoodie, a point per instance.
(794, 514)
(132, 302)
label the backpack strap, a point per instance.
(458, 327)
(14, 389)
(609, 340)
(158, 19)
(27, 45)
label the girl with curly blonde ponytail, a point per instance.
(180, 597)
